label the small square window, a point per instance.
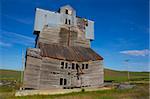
(78, 78)
(66, 65)
(66, 11)
(61, 81)
(65, 81)
(82, 66)
(66, 21)
(69, 22)
(73, 65)
(62, 65)
(86, 24)
(77, 66)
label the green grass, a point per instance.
(141, 91)
(10, 75)
(121, 76)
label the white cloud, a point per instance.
(21, 20)
(4, 44)
(144, 52)
(16, 38)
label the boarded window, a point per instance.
(61, 81)
(82, 66)
(86, 66)
(62, 65)
(73, 65)
(65, 81)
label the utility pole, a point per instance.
(128, 73)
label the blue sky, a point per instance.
(121, 30)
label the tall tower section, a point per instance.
(63, 28)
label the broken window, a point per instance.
(65, 81)
(82, 66)
(61, 81)
(62, 65)
(86, 66)
(73, 65)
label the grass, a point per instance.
(141, 90)
(10, 75)
(121, 76)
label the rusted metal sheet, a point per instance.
(69, 53)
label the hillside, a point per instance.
(10, 75)
(121, 76)
(110, 75)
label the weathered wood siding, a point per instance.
(63, 36)
(45, 73)
(31, 73)
(50, 74)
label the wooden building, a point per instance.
(62, 57)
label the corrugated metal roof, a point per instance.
(69, 53)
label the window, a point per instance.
(65, 81)
(66, 21)
(69, 22)
(78, 78)
(86, 66)
(86, 24)
(66, 65)
(66, 11)
(77, 66)
(82, 66)
(61, 81)
(73, 65)
(62, 65)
